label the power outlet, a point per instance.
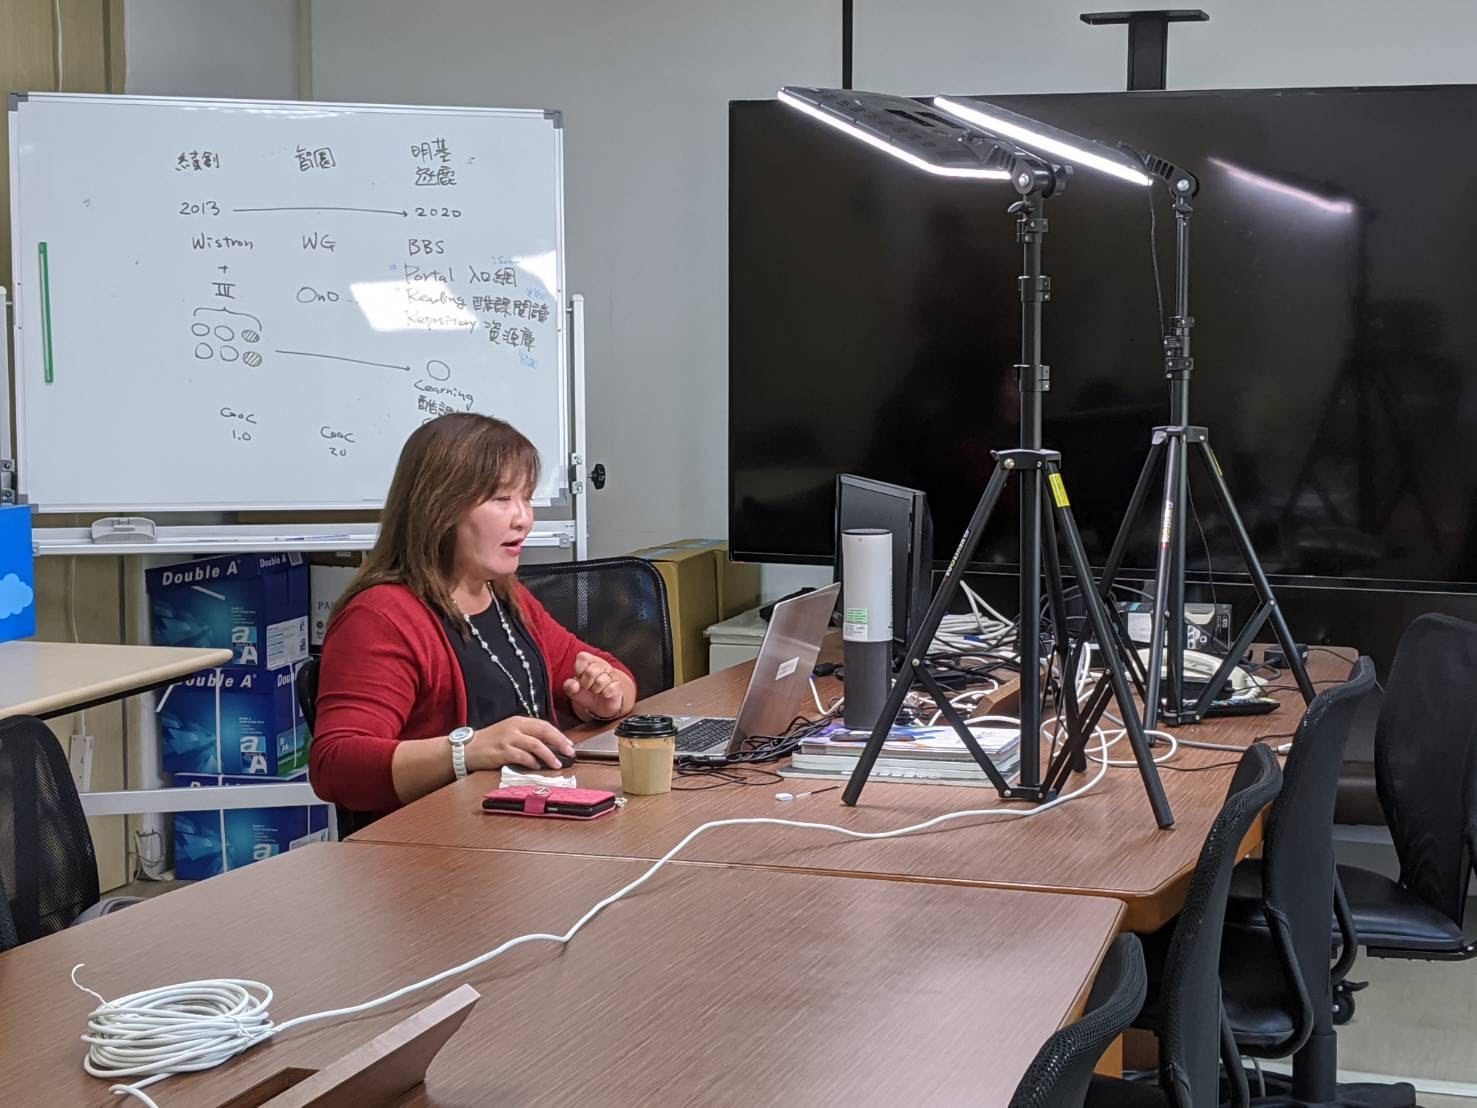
(79, 755)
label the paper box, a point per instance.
(738, 583)
(234, 721)
(211, 842)
(327, 581)
(703, 587)
(255, 605)
(688, 571)
(17, 572)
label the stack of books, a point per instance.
(926, 755)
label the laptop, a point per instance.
(778, 690)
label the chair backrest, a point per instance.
(617, 604)
(1190, 1035)
(8, 936)
(1298, 864)
(306, 686)
(1426, 759)
(1060, 1073)
(47, 865)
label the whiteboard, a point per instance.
(232, 304)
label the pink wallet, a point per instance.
(554, 803)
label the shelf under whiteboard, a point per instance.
(556, 534)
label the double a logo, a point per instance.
(243, 641)
(254, 754)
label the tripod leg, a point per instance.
(1098, 621)
(1177, 514)
(1163, 584)
(923, 639)
(1030, 629)
(1258, 577)
(1056, 602)
(1119, 551)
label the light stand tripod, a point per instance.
(1042, 490)
(1175, 443)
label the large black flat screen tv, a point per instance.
(874, 326)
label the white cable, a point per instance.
(815, 695)
(196, 1025)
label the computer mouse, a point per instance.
(565, 760)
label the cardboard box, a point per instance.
(738, 584)
(211, 842)
(703, 587)
(327, 580)
(255, 605)
(687, 569)
(255, 729)
(17, 572)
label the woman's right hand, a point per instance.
(517, 741)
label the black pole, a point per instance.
(846, 42)
(1034, 379)
(1148, 41)
(1178, 366)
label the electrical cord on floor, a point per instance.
(197, 1025)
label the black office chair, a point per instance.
(47, 866)
(617, 604)
(8, 937)
(1059, 1075)
(1194, 1035)
(1426, 775)
(1276, 983)
(306, 687)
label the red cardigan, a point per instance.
(389, 673)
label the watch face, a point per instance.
(462, 735)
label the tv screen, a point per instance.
(874, 324)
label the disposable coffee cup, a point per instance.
(647, 747)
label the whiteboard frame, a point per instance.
(563, 464)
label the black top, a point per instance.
(490, 699)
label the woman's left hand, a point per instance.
(596, 689)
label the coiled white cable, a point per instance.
(196, 1025)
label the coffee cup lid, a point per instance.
(636, 726)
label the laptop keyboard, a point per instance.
(704, 734)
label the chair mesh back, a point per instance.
(47, 866)
(1298, 859)
(1426, 759)
(8, 937)
(1062, 1069)
(1189, 1062)
(617, 604)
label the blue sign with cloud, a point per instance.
(17, 575)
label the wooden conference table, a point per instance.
(706, 986)
(1104, 844)
(47, 679)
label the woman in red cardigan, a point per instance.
(437, 662)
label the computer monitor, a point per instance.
(862, 502)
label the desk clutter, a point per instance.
(241, 724)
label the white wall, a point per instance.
(644, 86)
(1027, 46)
(230, 48)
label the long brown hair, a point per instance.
(447, 467)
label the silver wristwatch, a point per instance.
(459, 740)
